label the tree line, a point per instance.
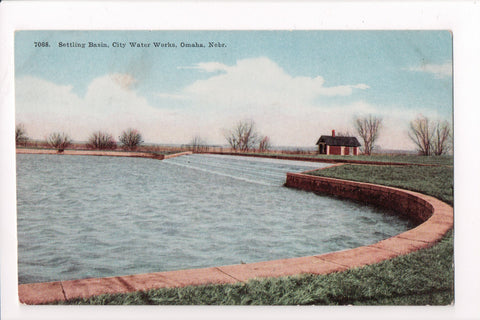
(130, 139)
(244, 136)
(429, 136)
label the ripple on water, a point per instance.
(124, 215)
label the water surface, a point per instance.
(85, 216)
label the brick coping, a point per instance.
(436, 215)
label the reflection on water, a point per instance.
(83, 216)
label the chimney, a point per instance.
(333, 133)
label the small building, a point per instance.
(338, 145)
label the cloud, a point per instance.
(110, 103)
(170, 96)
(439, 71)
(208, 66)
(258, 82)
(288, 109)
(125, 81)
(39, 96)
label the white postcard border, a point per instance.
(462, 18)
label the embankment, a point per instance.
(322, 160)
(102, 153)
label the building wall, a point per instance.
(335, 150)
(342, 151)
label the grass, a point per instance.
(424, 277)
(435, 181)
(401, 158)
(414, 159)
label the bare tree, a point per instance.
(441, 138)
(243, 136)
(101, 140)
(197, 144)
(59, 140)
(344, 134)
(20, 134)
(131, 139)
(368, 129)
(264, 144)
(421, 134)
(430, 137)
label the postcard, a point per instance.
(233, 166)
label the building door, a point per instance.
(322, 148)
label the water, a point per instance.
(83, 216)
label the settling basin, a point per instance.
(85, 216)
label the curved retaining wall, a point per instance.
(403, 202)
(437, 218)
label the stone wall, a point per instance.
(105, 153)
(401, 201)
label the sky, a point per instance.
(295, 85)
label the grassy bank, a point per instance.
(434, 181)
(401, 158)
(414, 159)
(424, 277)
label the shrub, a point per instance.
(59, 140)
(197, 144)
(20, 134)
(243, 136)
(264, 144)
(101, 140)
(131, 139)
